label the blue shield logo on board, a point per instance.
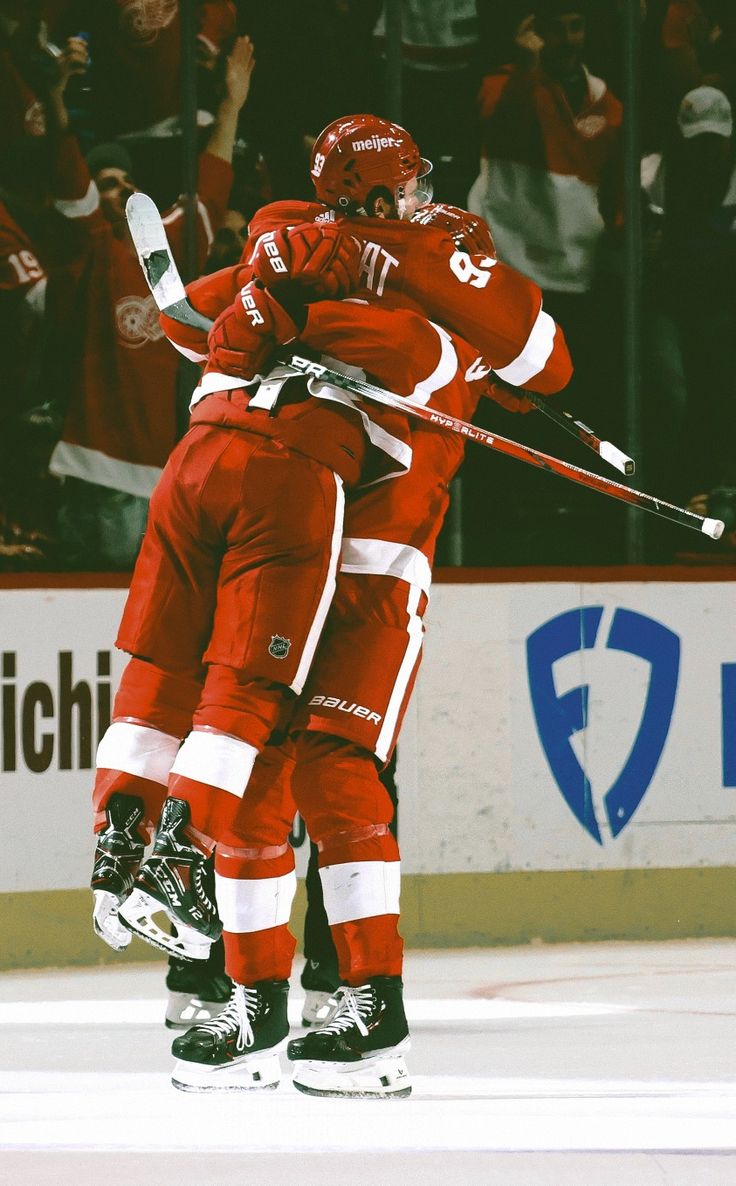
(560, 717)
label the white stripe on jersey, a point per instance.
(192, 355)
(92, 465)
(444, 372)
(79, 207)
(380, 557)
(533, 357)
(328, 592)
(415, 632)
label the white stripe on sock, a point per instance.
(254, 905)
(360, 889)
(217, 760)
(138, 750)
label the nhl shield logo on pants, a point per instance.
(279, 646)
(560, 717)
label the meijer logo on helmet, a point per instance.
(375, 141)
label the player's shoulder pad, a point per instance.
(392, 232)
(287, 213)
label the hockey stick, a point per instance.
(149, 237)
(605, 449)
(647, 502)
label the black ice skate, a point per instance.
(360, 1052)
(118, 856)
(177, 881)
(197, 991)
(320, 983)
(239, 1050)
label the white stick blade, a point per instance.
(149, 236)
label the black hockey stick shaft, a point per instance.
(605, 449)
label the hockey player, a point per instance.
(369, 937)
(352, 711)
(243, 538)
(205, 988)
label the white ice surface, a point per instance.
(605, 1062)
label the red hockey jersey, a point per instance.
(489, 304)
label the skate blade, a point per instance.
(185, 1009)
(106, 923)
(252, 1073)
(376, 1078)
(137, 914)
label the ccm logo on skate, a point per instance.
(358, 710)
(560, 716)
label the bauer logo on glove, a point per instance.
(246, 334)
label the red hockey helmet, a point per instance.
(357, 154)
(470, 232)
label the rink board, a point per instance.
(567, 769)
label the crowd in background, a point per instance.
(519, 107)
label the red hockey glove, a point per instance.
(318, 255)
(248, 331)
(508, 399)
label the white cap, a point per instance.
(705, 109)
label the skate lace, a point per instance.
(241, 1009)
(198, 877)
(354, 1006)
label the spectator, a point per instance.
(551, 136)
(550, 187)
(29, 231)
(121, 420)
(507, 34)
(439, 49)
(691, 190)
(699, 46)
(23, 526)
